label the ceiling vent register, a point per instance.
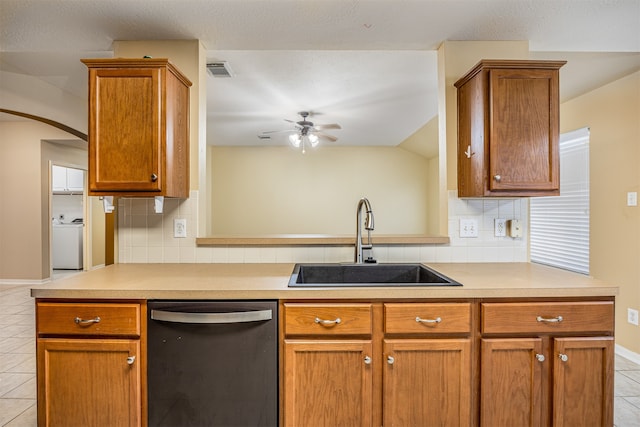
(219, 69)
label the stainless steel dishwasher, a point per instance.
(212, 363)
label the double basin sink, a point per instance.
(347, 275)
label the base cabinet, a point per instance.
(561, 375)
(91, 364)
(328, 383)
(583, 381)
(427, 382)
(410, 367)
(87, 382)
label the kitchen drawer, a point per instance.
(421, 318)
(547, 317)
(327, 319)
(88, 319)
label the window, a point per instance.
(559, 225)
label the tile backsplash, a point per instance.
(147, 237)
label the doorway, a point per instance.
(67, 210)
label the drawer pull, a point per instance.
(80, 321)
(328, 322)
(436, 320)
(563, 357)
(540, 357)
(131, 359)
(549, 320)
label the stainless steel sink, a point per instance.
(347, 275)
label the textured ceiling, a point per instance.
(368, 65)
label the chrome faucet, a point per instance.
(368, 225)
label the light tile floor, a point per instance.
(18, 366)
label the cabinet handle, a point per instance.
(328, 322)
(154, 177)
(131, 359)
(497, 178)
(550, 319)
(563, 357)
(436, 320)
(390, 360)
(540, 357)
(367, 360)
(80, 321)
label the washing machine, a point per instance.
(67, 246)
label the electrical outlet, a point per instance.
(632, 316)
(632, 198)
(468, 228)
(179, 228)
(500, 227)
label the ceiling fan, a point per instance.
(305, 132)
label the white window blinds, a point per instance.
(559, 225)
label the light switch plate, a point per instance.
(468, 228)
(179, 228)
(632, 198)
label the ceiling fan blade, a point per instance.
(326, 136)
(276, 131)
(328, 126)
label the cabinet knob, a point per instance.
(154, 177)
(131, 359)
(497, 178)
(540, 357)
(563, 357)
(390, 360)
(367, 360)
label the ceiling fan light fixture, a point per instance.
(313, 139)
(295, 140)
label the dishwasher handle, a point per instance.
(228, 317)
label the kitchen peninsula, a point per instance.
(549, 331)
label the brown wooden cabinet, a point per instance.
(427, 364)
(91, 365)
(364, 364)
(328, 372)
(138, 128)
(508, 129)
(561, 374)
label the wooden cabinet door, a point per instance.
(427, 382)
(583, 381)
(523, 130)
(327, 383)
(511, 382)
(88, 383)
(125, 129)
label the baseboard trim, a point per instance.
(24, 281)
(627, 354)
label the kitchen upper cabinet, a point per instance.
(67, 180)
(138, 128)
(508, 129)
